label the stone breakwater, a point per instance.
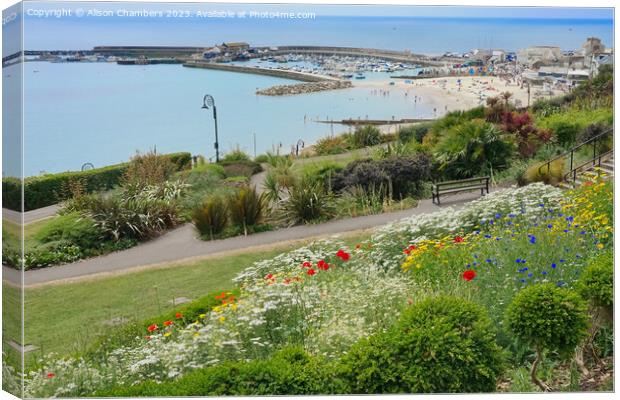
(301, 88)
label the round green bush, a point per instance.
(596, 282)
(440, 345)
(548, 317)
(74, 228)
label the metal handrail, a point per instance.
(571, 152)
(595, 162)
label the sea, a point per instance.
(103, 113)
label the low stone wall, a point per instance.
(301, 88)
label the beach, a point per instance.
(453, 93)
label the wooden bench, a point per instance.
(463, 185)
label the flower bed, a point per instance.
(326, 297)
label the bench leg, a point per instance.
(481, 191)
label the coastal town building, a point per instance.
(539, 55)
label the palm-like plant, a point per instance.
(247, 208)
(307, 202)
(473, 147)
(211, 217)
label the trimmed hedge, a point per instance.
(45, 190)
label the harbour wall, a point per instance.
(279, 73)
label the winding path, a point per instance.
(182, 245)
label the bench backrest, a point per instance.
(462, 183)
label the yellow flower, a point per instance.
(600, 246)
(202, 316)
(222, 319)
(167, 334)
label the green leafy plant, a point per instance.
(365, 137)
(73, 228)
(596, 282)
(331, 145)
(307, 202)
(547, 318)
(247, 208)
(472, 148)
(440, 345)
(211, 217)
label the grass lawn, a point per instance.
(12, 231)
(64, 318)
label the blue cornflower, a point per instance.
(533, 239)
(488, 260)
(560, 214)
(525, 269)
(554, 265)
(509, 223)
(522, 280)
(530, 275)
(487, 236)
(570, 219)
(498, 238)
(549, 226)
(491, 222)
(582, 232)
(565, 231)
(541, 205)
(562, 260)
(561, 283)
(518, 260)
(498, 216)
(476, 232)
(511, 215)
(544, 272)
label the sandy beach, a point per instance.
(448, 94)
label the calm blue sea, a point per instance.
(102, 113)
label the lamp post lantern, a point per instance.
(209, 102)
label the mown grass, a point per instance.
(67, 318)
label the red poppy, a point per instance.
(50, 375)
(168, 323)
(343, 255)
(469, 274)
(269, 276)
(458, 239)
(322, 265)
(311, 272)
(407, 251)
(220, 296)
(587, 183)
(178, 315)
(287, 281)
(152, 328)
(307, 264)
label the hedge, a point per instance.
(45, 190)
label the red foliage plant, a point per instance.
(529, 137)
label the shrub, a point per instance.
(440, 345)
(404, 175)
(45, 190)
(246, 208)
(52, 253)
(414, 132)
(568, 125)
(147, 169)
(307, 202)
(407, 173)
(241, 168)
(596, 282)
(235, 156)
(528, 137)
(538, 172)
(365, 137)
(73, 228)
(547, 318)
(331, 145)
(211, 217)
(473, 148)
(364, 173)
(290, 371)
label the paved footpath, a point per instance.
(30, 216)
(182, 244)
